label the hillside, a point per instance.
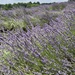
(38, 40)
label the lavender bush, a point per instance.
(32, 49)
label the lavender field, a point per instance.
(38, 40)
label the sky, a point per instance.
(41, 1)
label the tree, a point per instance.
(38, 2)
(7, 6)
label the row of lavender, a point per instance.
(46, 50)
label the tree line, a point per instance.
(27, 5)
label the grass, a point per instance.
(73, 32)
(39, 45)
(14, 24)
(35, 20)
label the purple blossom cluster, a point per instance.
(41, 50)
